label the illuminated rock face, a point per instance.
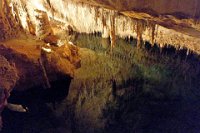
(188, 8)
(33, 17)
(8, 22)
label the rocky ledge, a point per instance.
(25, 64)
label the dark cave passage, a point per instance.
(40, 103)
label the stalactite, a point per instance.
(140, 27)
(44, 28)
(16, 16)
(31, 26)
(97, 14)
(123, 26)
(49, 3)
(105, 30)
(153, 28)
(112, 31)
(88, 19)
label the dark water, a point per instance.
(39, 118)
(160, 93)
(153, 91)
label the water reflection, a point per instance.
(129, 90)
(157, 89)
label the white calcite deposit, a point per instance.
(35, 15)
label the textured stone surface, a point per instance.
(8, 73)
(8, 79)
(186, 8)
(20, 67)
(164, 22)
(26, 54)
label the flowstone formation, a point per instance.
(153, 22)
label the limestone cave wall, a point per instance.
(31, 15)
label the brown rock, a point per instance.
(61, 61)
(8, 79)
(51, 39)
(25, 71)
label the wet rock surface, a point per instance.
(27, 70)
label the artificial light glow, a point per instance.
(38, 5)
